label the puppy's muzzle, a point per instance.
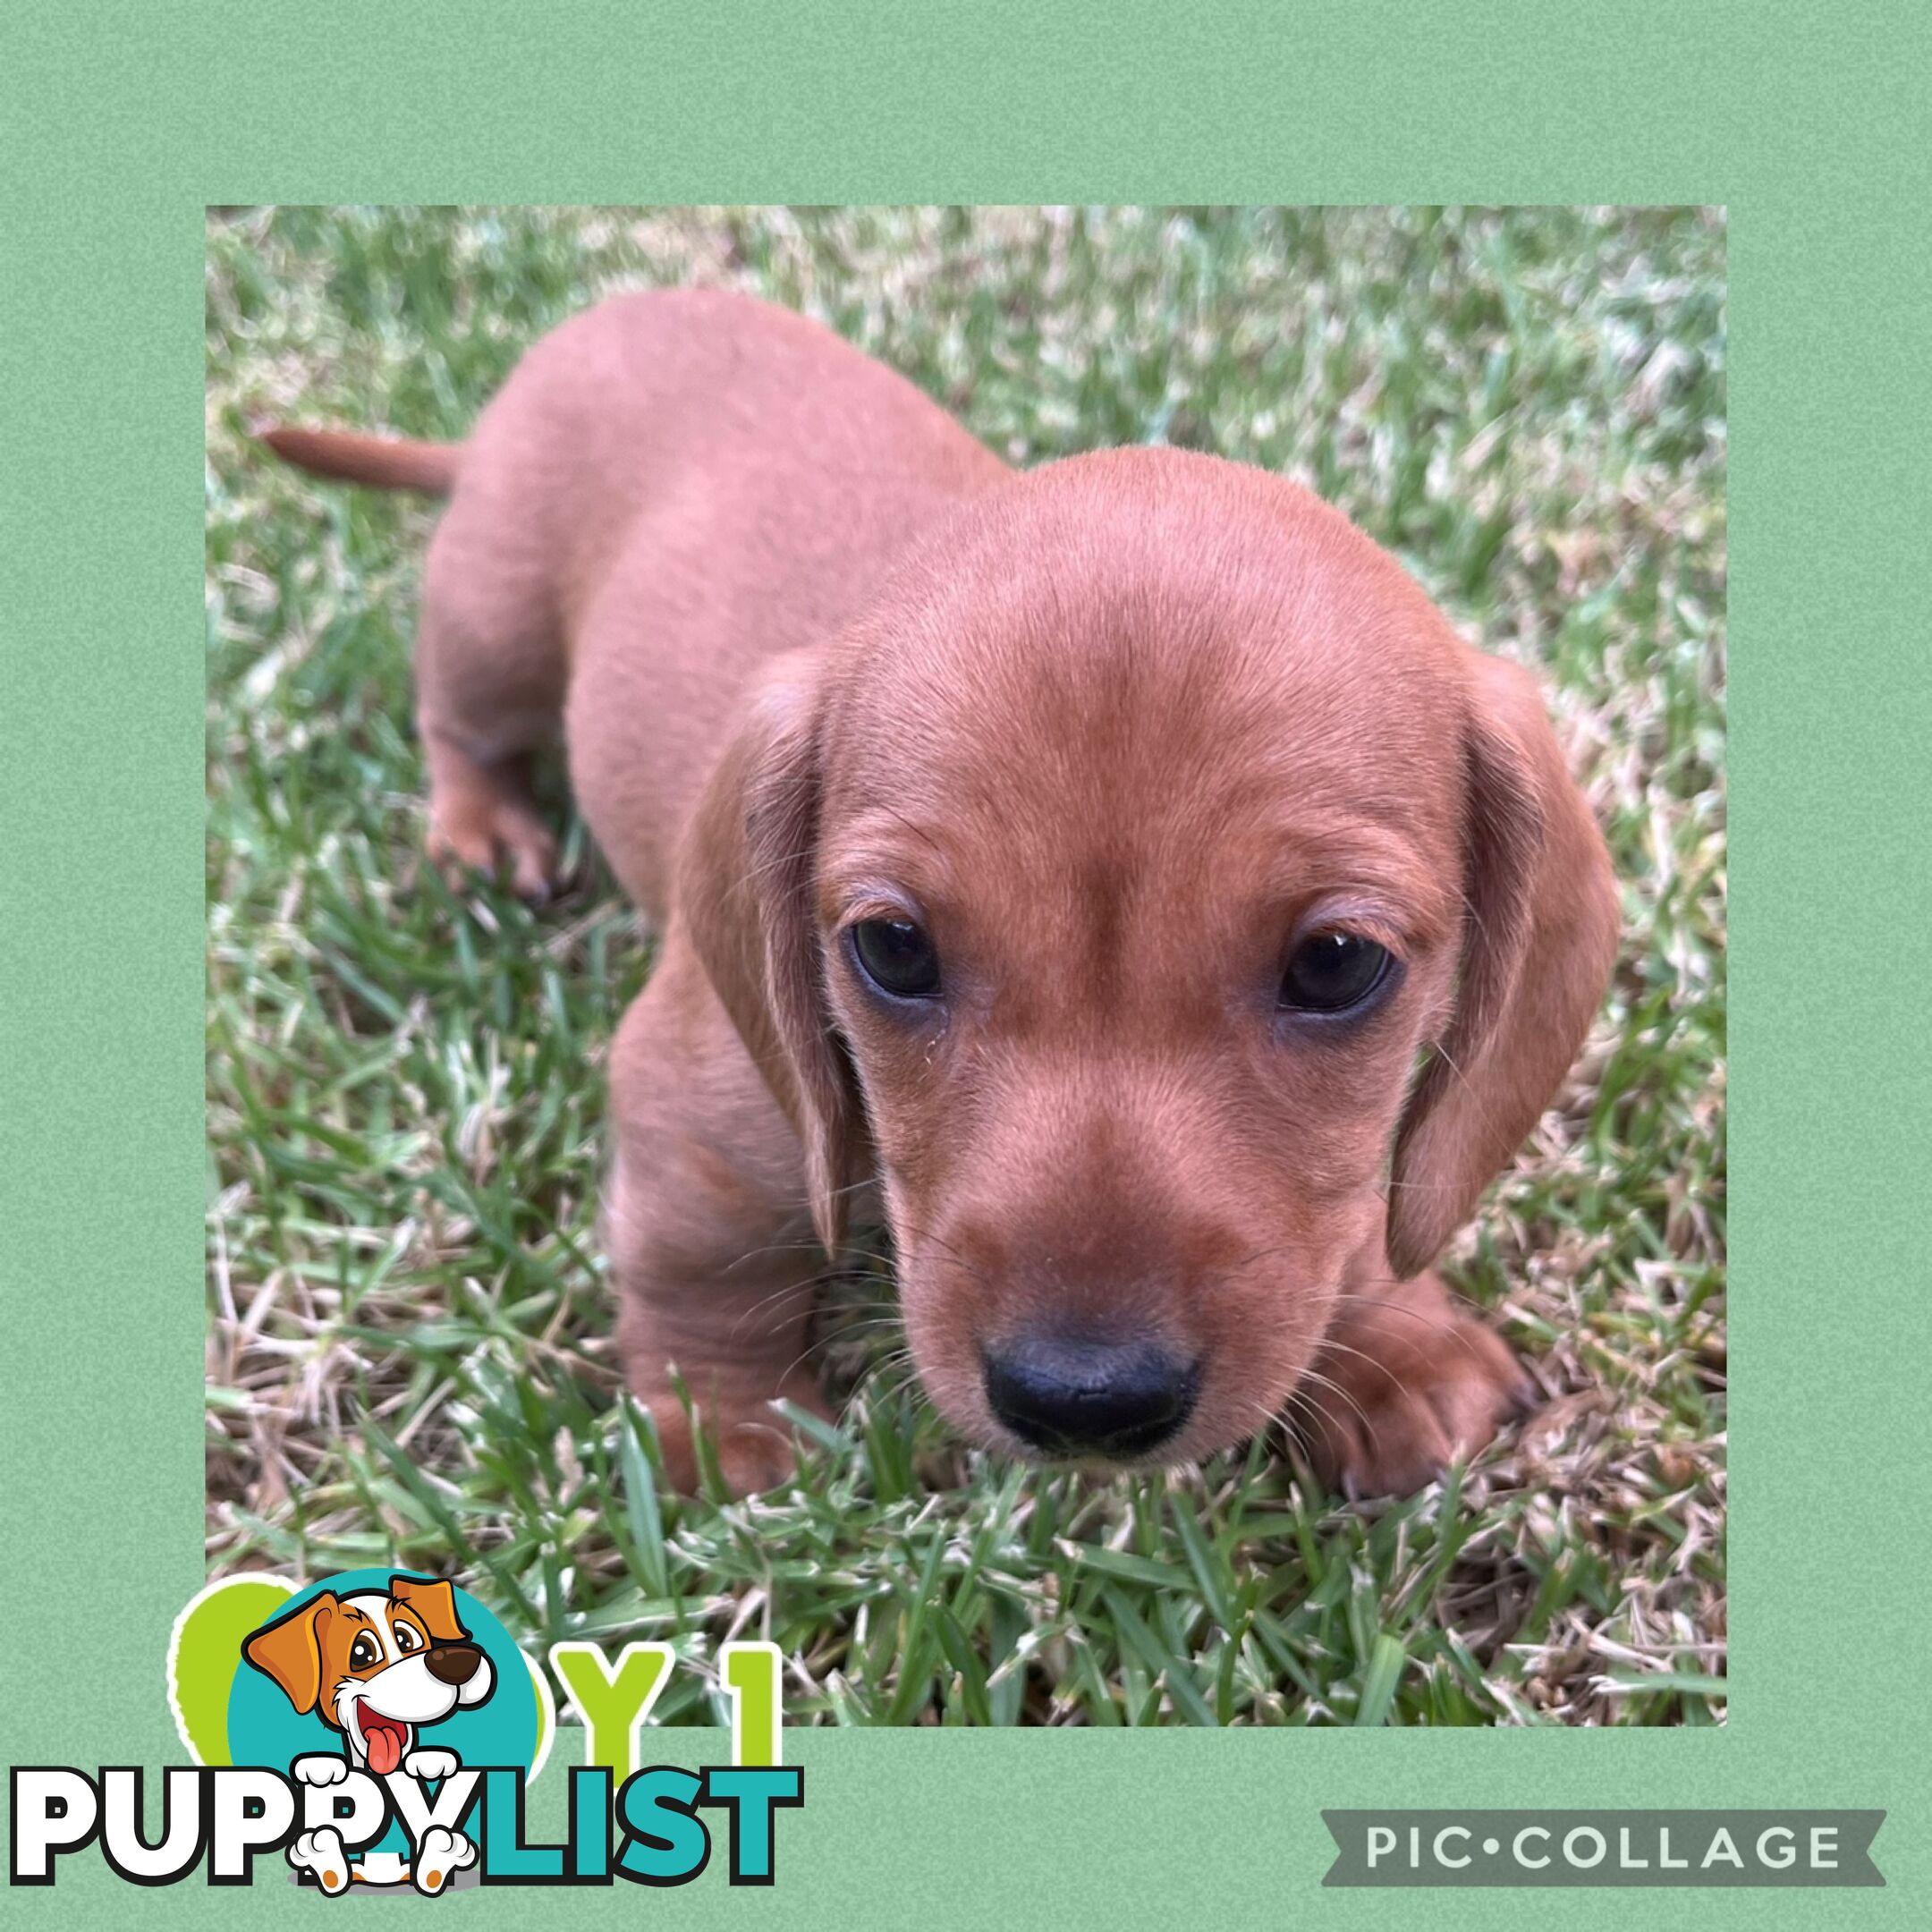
(454, 1663)
(1087, 1397)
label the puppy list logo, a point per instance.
(381, 1731)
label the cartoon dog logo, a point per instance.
(376, 1665)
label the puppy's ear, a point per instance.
(434, 1603)
(1539, 936)
(745, 884)
(290, 1651)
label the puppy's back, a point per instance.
(671, 488)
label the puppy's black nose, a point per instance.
(1082, 1397)
(454, 1663)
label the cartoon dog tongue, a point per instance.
(385, 1739)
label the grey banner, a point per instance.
(1603, 1848)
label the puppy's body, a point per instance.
(671, 488)
(1116, 742)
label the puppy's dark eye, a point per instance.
(406, 1640)
(362, 1653)
(897, 957)
(1331, 972)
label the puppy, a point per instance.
(376, 1666)
(1119, 873)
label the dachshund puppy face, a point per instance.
(1136, 894)
(1115, 873)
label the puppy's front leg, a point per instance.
(1404, 1382)
(708, 1233)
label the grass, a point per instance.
(408, 1352)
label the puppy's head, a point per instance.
(1101, 890)
(375, 1666)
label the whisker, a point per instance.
(1328, 1382)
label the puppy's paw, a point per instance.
(752, 1442)
(1405, 1398)
(321, 1852)
(481, 835)
(755, 1457)
(435, 1764)
(320, 1770)
(440, 1855)
(483, 815)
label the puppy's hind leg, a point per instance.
(490, 677)
(482, 815)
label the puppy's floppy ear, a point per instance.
(290, 1650)
(745, 884)
(1539, 936)
(435, 1603)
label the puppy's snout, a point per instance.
(1087, 1397)
(454, 1663)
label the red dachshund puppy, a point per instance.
(1076, 863)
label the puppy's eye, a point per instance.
(406, 1640)
(1333, 971)
(897, 957)
(363, 1652)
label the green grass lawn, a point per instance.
(409, 1353)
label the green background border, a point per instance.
(130, 118)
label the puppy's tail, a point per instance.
(385, 462)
